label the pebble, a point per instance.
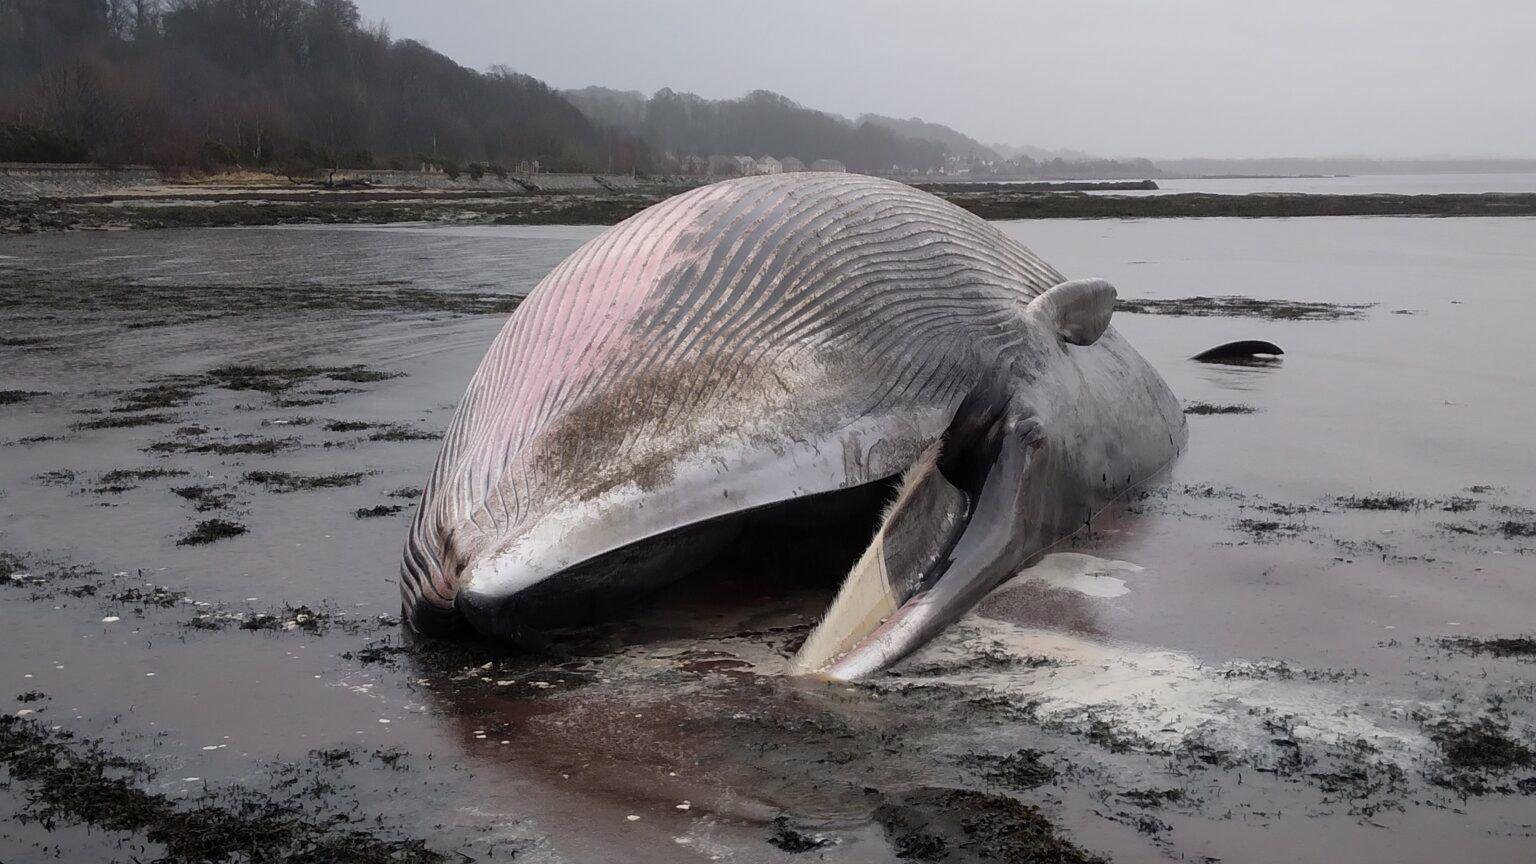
(632, 817)
(111, 619)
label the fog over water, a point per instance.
(1401, 78)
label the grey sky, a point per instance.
(1116, 77)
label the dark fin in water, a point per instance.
(1243, 349)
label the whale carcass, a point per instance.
(780, 343)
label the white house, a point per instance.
(828, 165)
(791, 164)
(767, 165)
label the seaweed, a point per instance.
(205, 497)
(283, 482)
(123, 421)
(79, 782)
(11, 397)
(957, 825)
(211, 530)
(1209, 408)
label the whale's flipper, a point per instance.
(916, 532)
(951, 535)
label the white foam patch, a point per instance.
(1162, 696)
(1075, 571)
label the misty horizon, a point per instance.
(1379, 80)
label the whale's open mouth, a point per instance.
(813, 540)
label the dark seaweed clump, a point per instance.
(401, 432)
(380, 510)
(1523, 647)
(240, 445)
(282, 481)
(1268, 529)
(1022, 770)
(794, 841)
(211, 530)
(1512, 529)
(957, 825)
(11, 397)
(1232, 306)
(290, 618)
(1209, 408)
(70, 782)
(123, 421)
(125, 475)
(61, 477)
(278, 379)
(205, 497)
(1401, 503)
(1476, 751)
(166, 395)
(1153, 798)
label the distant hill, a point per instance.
(957, 143)
(760, 123)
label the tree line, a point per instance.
(270, 83)
(301, 85)
(761, 123)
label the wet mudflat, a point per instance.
(1311, 642)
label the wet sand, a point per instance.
(1310, 642)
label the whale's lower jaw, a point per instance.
(586, 559)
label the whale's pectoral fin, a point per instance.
(1077, 311)
(951, 535)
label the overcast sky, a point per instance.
(1157, 78)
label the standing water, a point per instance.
(212, 442)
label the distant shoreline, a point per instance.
(50, 198)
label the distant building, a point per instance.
(695, 165)
(723, 166)
(828, 165)
(767, 165)
(791, 164)
(744, 164)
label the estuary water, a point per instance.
(1280, 652)
(1355, 184)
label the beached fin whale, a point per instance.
(766, 352)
